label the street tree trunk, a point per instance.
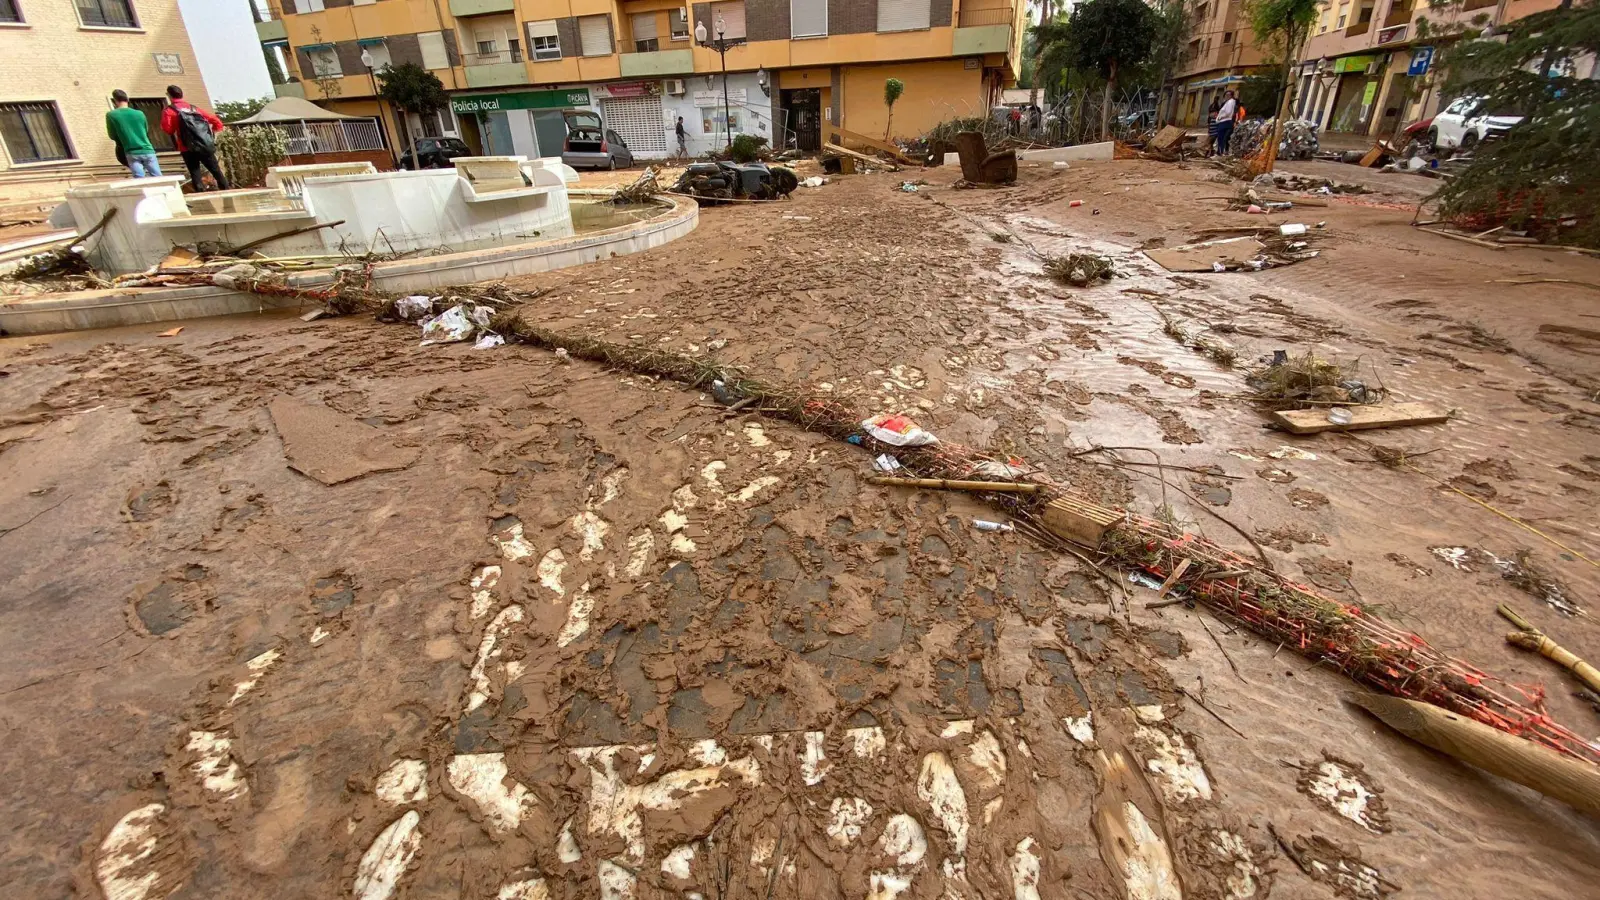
(1038, 57)
(1291, 51)
(1105, 104)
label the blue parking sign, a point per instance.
(1421, 59)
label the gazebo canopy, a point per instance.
(292, 109)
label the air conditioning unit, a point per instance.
(675, 87)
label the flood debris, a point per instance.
(1295, 381)
(641, 190)
(1338, 867)
(1080, 269)
(1530, 638)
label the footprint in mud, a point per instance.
(351, 403)
(1286, 537)
(1308, 500)
(1338, 867)
(1472, 487)
(146, 504)
(232, 443)
(1326, 573)
(1345, 789)
(1417, 570)
(165, 605)
(1211, 491)
(331, 593)
(1274, 475)
(142, 857)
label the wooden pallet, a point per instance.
(1078, 520)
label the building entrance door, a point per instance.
(805, 117)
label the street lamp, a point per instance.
(722, 45)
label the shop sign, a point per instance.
(1353, 63)
(487, 103)
(627, 89)
(714, 98)
(1421, 61)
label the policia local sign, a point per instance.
(487, 103)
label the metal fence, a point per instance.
(1002, 15)
(333, 137)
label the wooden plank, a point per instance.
(1371, 159)
(1170, 137)
(947, 484)
(1296, 199)
(1199, 257)
(1396, 415)
(861, 157)
(874, 143)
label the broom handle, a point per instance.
(1005, 487)
(1561, 656)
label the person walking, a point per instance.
(130, 131)
(195, 131)
(1211, 126)
(1223, 122)
(683, 140)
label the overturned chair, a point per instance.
(979, 166)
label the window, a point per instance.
(594, 34)
(9, 11)
(729, 18)
(902, 15)
(308, 6)
(434, 55)
(153, 107)
(107, 13)
(486, 48)
(324, 62)
(808, 18)
(378, 52)
(644, 33)
(679, 21)
(544, 40)
(33, 132)
(1341, 21)
(1227, 37)
(711, 121)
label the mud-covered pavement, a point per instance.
(602, 639)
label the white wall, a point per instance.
(753, 115)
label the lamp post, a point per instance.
(722, 45)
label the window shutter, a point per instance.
(732, 20)
(808, 18)
(547, 28)
(595, 34)
(902, 15)
(644, 26)
(433, 52)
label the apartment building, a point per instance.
(511, 66)
(1220, 53)
(59, 62)
(1368, 68)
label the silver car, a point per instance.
(590, 145)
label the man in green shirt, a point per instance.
(130, 131)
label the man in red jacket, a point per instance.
(193, 134)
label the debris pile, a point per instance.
(1080, 269)
(643, 188)
(1290, 382)
(1298, 141)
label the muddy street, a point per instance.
(517, 626)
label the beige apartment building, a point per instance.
(1368, 71)
(513, 68)
(59, 62)
(1220, 53)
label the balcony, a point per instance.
(1399, 15)
(980, 39)
(1362, 24)
(994, 15)
(495, 69)
(657, 63)
(269, 21)
(460, 8)
(290, 89)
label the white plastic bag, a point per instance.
(898, 431)
(413, 307)
(448, 327)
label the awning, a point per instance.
(293, 109)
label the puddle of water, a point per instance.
(591, 216)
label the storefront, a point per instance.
(521, 123)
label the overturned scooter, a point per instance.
(711, 182)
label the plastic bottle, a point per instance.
(984, 525)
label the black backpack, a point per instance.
(194, 129)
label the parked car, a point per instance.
(1466, 123)
(434, 153)
(590, 145)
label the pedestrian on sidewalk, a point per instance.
(683, 140)
(195, 131)
(130, 131)
(1222, 124)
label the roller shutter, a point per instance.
(639, 121)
